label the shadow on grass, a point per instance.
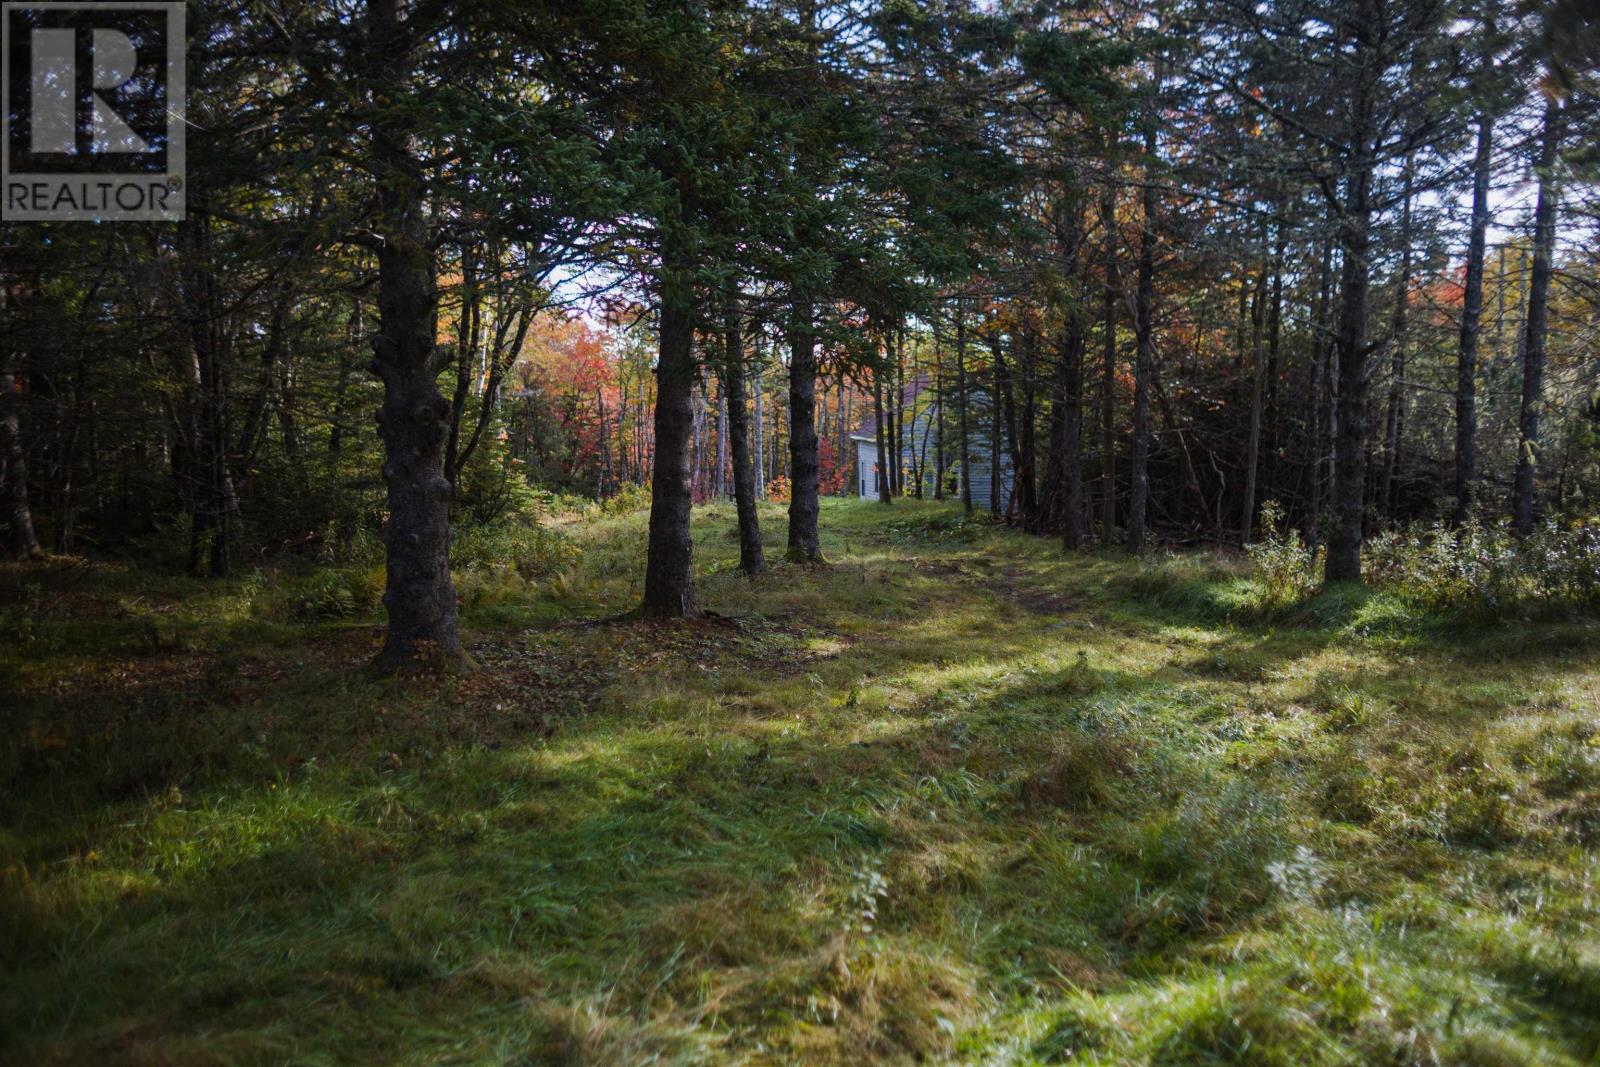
(861, 832)
(661, 862)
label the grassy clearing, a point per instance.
(957, 798)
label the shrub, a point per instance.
(1287, 567)
(1486, 569)
(627, 500)
(1481, 569)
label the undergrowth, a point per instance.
(956, 798)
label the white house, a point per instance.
(919, 446)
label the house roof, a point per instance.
(914, 388)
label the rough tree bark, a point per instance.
(1537, 329)
(1351, 348)
(418, 594)
(669, 571)
(804, 543)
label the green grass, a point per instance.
(956, 798)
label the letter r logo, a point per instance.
(55, 91)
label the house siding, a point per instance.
(917, 428)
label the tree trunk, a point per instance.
(1466, 455)
(995, 394)
(751, 558)
(1272, 415)
(1317, 420)
(1071, 399)
(724, 488)
(1395, 425)
(603, 487)
(804, 543)
(882, 481)
(412, 422)
(1258, 379)
(669, 572)
(894, 395)
(920, 452)
(1351, 354)
(1108, 369)
(938, 415)
(1241, 317)
(467, 325)
(1027, 444)
(211, 531)
(962, 441)
(1022, 502)
(1061, 501)
(1053, 485)
(23, 543)
(217, 493)
(418, 594)
(64, 511)
(761, 429)
(1533, 349)
(1144, 315)
(1003, 385)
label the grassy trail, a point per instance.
(955, 798)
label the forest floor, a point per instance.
(957, 797)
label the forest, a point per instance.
(805, 532)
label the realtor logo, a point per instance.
(93, 112)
